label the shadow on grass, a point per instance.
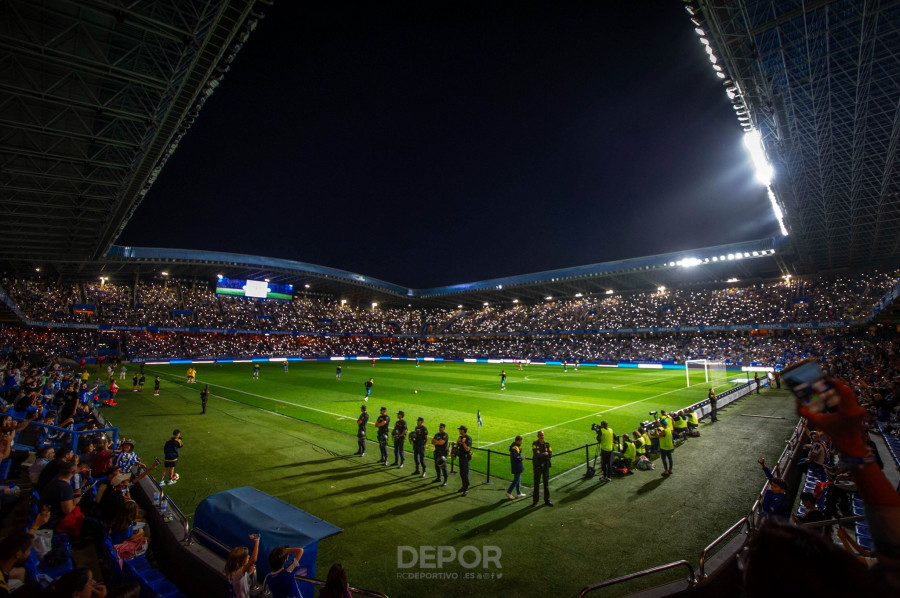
(477, 511)
(368, 487)
(650, 486)
(588, 486)
(311, 462)
(414, 505)
(496, 525)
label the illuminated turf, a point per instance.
(563, 404)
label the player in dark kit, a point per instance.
(361, 432)
(502, 379)
(170, 451)
(156, 387)
(204, 397)
(369, 383)
(337, 373)
(419, 438)
(399, 435)
(464, 452)
(441, 444)
(381, 424)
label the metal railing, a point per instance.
(742, 522)
(691, 580)
(782, 466)
(302, 579)
(170, 504)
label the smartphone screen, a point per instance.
(811, 387)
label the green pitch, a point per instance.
(539, 397)
(292, 435)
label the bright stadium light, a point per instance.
(219, 276)
(374, 305)
(548, 298)
(755, 253)
(738, 256)
(485, 303)
(306, 286)
(579, 295)
(787, 277)
(515, 300)
(692, 10)
(671, 264)
(753, 143)
(164, 273)
(37, 269)
(459, 306)
(266, 279)
(731, 256)
(343, 302)
(699, 31)
(732, 280)
(661, 289)
(779, 215)
(715, 259)
(609, 292)
(704, 41)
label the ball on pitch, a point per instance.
(415, 392)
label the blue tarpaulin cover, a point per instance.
(231, 516)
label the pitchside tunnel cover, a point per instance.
(231, 516)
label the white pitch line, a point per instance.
(591, 415)
(505, 394)
(643, 382)
(337, 415)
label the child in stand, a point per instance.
(239, 566)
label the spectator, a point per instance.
(775, 503)
(239, 566)
(336, 584)
(283, 561)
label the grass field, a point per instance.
(563, 404)
(596, 530)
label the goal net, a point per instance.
(704, 371)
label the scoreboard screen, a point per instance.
(257, 289)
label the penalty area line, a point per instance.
(337, 415)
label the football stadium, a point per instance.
(423, 300)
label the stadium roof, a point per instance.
(821, 82)
(94, 97)
(726, 264)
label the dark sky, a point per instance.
(437, 143)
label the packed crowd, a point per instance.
(187, 304)
(732, 347)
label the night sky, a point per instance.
(437, 143)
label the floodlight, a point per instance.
(755, 253)
(731, 95)
(548, 298)
(746, 254)
(661, 289)
(753, 143)
(671, 264)
(579, 295)
(374, 305)
(779, 215)
(732, 280)
(720, 75)
(708, 49)
(219, 276)
(787, 277)
(705, 42)
(712, 57)
(164, 273)
(692, 10)
(738, 256)
(515, 300)
(722, 258)
(731, 256)
(343, 302)
(699, 30)
(459, 307)
(485, 303)
(715, 259)
(266, 279)
(696, 21)
(717, 68)
(609, 292)
(37, 269)
(499, 286)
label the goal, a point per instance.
(704, 371)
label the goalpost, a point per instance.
(704, 371)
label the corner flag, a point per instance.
(480, 423)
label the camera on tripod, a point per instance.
(653, 414)
(596, 428)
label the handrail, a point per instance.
(318, 582)
(835, 521)
(358, 591)
(170, 504)
(609, 582)
(788, 452)
(742, 521)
